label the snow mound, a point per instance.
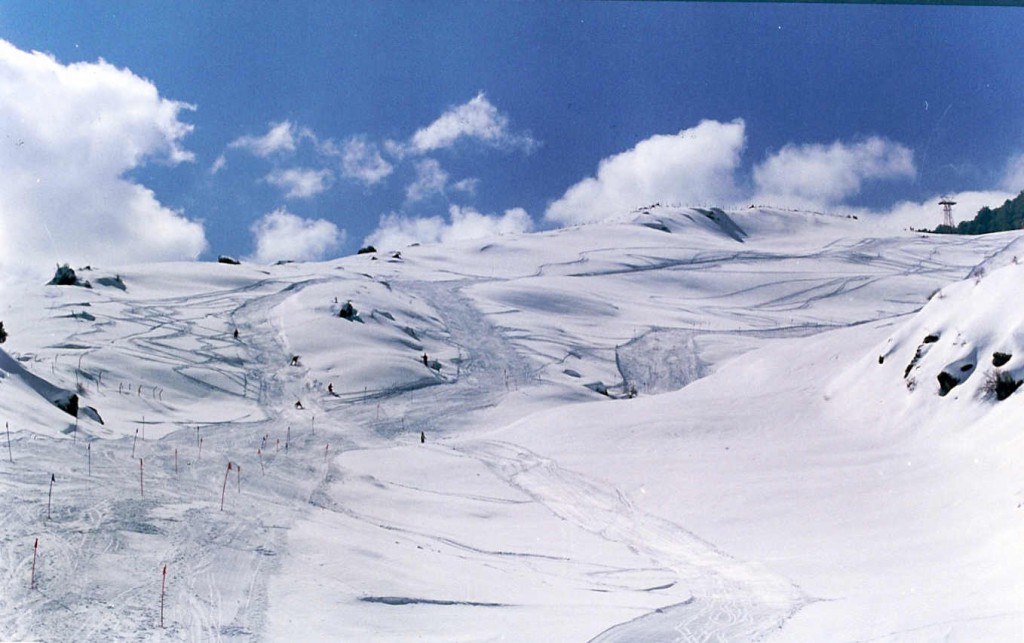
(964, 348)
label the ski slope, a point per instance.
(781, 473)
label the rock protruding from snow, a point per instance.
(65, 276)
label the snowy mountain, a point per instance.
(680, 425)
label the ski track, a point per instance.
(733, 601)
(102, 550)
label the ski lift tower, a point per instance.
(947, 211)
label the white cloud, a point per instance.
(398, 231)
(819, 176)
(477, 119)
(219, 164)
(695, 166)
(1013, 177)
(281, 235)
(430, 180)
(300, 183)
(71, 134)
(361, 160)
(281, 137)
(467, 186)
(467, 223)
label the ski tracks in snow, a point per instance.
(732, 600)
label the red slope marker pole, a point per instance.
(238, 470)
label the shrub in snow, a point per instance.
(3, 333)
(231, 261)
(922, 349)
(1001, 384)
(366, 250)
(65, 276)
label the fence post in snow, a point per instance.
(35, 552)
(163, 591)
(175, 461)
(224, 487)
(326, 449)
(10, 455)
(88, 451)
(49, 495)
(142, 493)
(134, 441)
(259, 452)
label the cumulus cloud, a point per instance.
(72, 133)
(281, 137)
(477, 119)
(300, 183)
(398, 231)
(820, 176)
(696, 165)
(430, 180)
(361, 160)
(283, 236)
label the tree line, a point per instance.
(1008, 216)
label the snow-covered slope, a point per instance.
(460, 459)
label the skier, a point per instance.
(425, 361)
(298, 404)
(236, 333)
(330, 388)
(423, 437)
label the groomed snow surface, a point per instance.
(686, 425)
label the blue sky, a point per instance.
(301, 130)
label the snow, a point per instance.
(781, 475)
